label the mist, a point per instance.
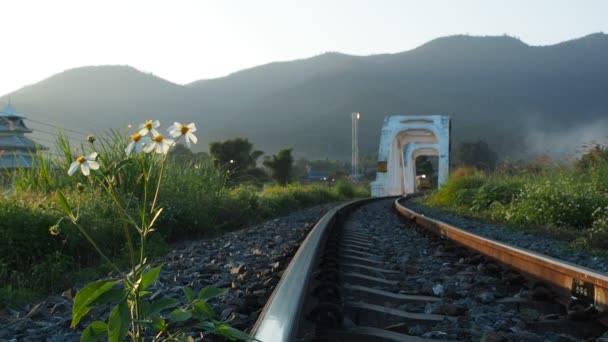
(566, 144)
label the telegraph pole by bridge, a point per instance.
(355, 146)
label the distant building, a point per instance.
(16, 149)
(317, 176)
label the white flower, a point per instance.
(138, 142)
(159, 144)
(86, 164)
(177, 130)
(149, 127)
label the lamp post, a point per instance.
(355, 146)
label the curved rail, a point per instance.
(279, 318)
(281, 315)
(570, 282)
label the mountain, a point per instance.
(522, 99)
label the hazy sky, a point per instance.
(184, 41)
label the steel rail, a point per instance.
(570, 282)
(278, 321)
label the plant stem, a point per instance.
(92, 242)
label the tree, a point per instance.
(281, 166)
(237, 157)
(180, 154)
(477, 154)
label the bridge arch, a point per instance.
(413, 151)
(402, 140)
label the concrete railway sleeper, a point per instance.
(368, 272)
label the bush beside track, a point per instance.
(196, 200)
(567, 203)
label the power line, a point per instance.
(57, 127)
(55, 134)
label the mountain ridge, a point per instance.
(482, 82)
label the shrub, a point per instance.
(345, 188)
(559, 202)
(459, 189)
(495, 191)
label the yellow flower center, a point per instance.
(184, 129)
(158, 138)
(81, 159)
(135, 137)
(148, 124)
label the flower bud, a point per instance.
(79, 187)
(91, 138)
(54, 230)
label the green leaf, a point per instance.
(64, 203)
(180, 315)
(211, 292)
(88, 295)
(150, 277)
(163, 304)
(189, 294)
(233, 334)
(207, 326)
(94, 332)
(204, 309)
(159, 323)
(110, 296)
(118, 323)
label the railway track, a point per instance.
(373, 270)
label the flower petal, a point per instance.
(176, 126)
(144, 131)
(165, 148)
(73, 168)
(92, 156)
(175, 133)
(191, 137)
(84, 167)
(149, 147)
(129, 148)
(93, 165)
(191, 127)
(156, 124)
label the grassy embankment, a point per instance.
(569, 203)
(197, 202)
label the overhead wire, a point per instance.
(57, 127)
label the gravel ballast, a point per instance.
(483, 302)
(535, 242)
(248, 262)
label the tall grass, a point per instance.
(196, 199)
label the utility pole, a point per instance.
(355, 146)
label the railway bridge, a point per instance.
(403, 139)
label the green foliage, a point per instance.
(346, 189)
(459, 189)
(238, 158)
(45, 253)
(569, 202)
(281, 166)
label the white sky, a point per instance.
(184, 41)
